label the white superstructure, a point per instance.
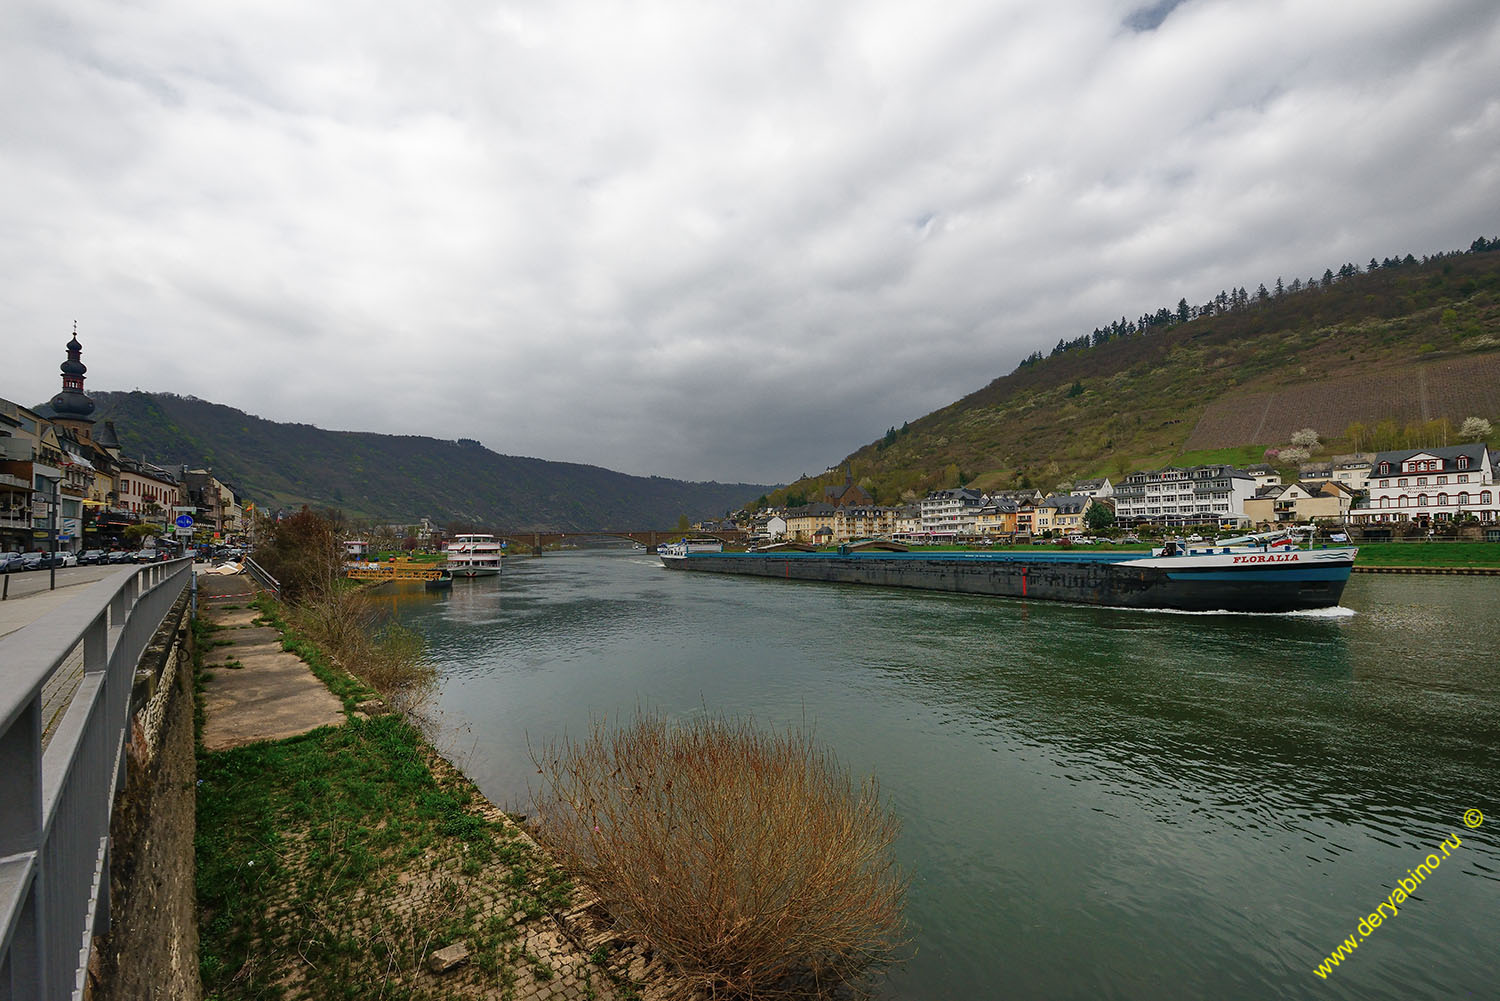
(474, 556)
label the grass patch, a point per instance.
(1240, 457)
(1428, 554)
(331, 865)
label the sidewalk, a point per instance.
(29, 599)
(253, 690)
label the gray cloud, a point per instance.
(681, 239)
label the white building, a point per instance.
(1353, 471)
(1178, 496)
(1094, 488)
(1436, 484)
(1263, 475)
(950, 512)
(908, 521)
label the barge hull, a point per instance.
(1274, 588)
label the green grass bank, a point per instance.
(337, 863)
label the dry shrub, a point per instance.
(304, 553)
(386, 655)
(749, 860)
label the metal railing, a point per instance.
(264, 579)
(55, 800)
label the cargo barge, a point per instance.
(1231, 578)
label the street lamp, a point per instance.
(52, 531)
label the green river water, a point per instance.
(1096, 803)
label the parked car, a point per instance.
(40, 561)
(91, 557)
(146, 556)
(11, 562)
(120, 556)
(65, 559)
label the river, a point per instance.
(1096, 803)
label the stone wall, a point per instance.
(151, 948)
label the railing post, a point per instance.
(25, 968)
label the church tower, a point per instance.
(72, 408)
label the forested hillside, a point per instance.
(1394, 354)
(400, 479)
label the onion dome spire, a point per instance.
(72, 403)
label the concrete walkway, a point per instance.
(257, 690)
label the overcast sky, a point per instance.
(702, 240)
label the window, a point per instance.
(1463, 477)
(1385, 483)
(1463, 498)
(1421, 500)
(1401, 482)
(1463, 462)
(1385, 468)
(1442, 500)
(1442, 480)
(1484, 498)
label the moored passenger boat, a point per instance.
(1235, 578)
(474, 555)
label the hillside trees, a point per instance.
(1474, 429)
(1234, 300)
(1098, 517)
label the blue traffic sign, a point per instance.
(184, 521)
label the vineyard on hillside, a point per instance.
(1453, 389)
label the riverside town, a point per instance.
(283, 622)
(584, 503)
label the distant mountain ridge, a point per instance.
(400, 479)
(1393, 356)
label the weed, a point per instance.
(749, 860)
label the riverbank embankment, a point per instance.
(353, 860)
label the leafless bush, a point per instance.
(383, 653)
(304, 553)
(749, 860)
